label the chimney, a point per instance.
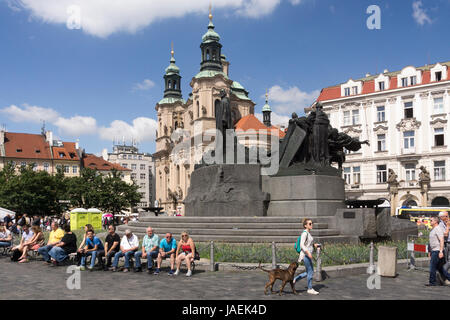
(385, 71)
(367, 75)
(49, 138)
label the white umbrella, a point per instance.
(4, 212)
(79, 210)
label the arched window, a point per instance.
(216, 103)
(440, 202)
(198, 109)
(178, 175)
(169, 84)
(207, 54)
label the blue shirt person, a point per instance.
(167, 248)
(94, 247)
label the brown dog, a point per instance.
(284, 275)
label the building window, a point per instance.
(35, 167)
(438, 105)
(140, 157)
(75, 169)
(66, 169)
(381, 174)
(133, 166)
(439, 170)
(46, 166)
(413, 80)
(142, 176)
(347, 175)
(347, 92)
(124, 165)
(133, 176)
(404, 82)
(438, 137)
(356, 175)
(381, 115)
(142, 185)
(381, 86)
(346, 118)
(355, 117)
(142, 166)
(408, 139)
(381, 142)
(438, 76)
(355, 90)
(409, 112)
(410, 172)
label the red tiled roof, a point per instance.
(334, 92)
(98, 163)
(250, 122)
(26, 146)
(67, 152)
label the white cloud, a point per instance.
(295, 2)
(286, 101)
(77, 125)
(142, 129)
(144, 85)
(102, 18)
(275, 119)
(30, 113)
(420, 14)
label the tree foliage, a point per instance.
(39, 193)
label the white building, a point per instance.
(404, 115)
(142, 169)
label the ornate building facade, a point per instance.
(194, 116)
(405, 117)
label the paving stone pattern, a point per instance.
(35, 280)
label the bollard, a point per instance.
(211, 258)
(318, 273)
(412, 261)
(274, 255)
(371, 268)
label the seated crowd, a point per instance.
(62, 243)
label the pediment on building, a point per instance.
(438, 122)
(352, 130)
(408, 124)
(381, 128)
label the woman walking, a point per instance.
(306, 246)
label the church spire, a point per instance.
(211, 48)
(266, 110)
(172, 78)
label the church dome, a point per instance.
(172, 68)
(210, 35)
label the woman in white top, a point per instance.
(306, 245)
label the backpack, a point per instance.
(15, 255)
(297, 243)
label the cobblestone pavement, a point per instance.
(35, 280)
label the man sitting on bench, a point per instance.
(167, 248)
(128, 247)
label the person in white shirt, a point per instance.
(306, 245)
(5, 236)
(128, 247)
(27, 234)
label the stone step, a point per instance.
(234, 219)
(215, 225)
(232, 232)
(288, 240)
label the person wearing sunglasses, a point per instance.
(167, 248)
(185, 251)
(306, 245)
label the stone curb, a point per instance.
(328, 272)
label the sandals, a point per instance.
(24, 260)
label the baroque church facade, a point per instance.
(193, 116)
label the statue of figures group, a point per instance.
(312, 140)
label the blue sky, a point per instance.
(102, 81)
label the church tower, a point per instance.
(267, 113)
(211, 49)
(172, 80)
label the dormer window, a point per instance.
(354, 90)
(413, 80)
(19, 150)
(38, 151)
(381, 86)
(347, 92)
(438, 76)
(62, 154)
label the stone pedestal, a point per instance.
(387, 261)
(228, 190)
(304, 195)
